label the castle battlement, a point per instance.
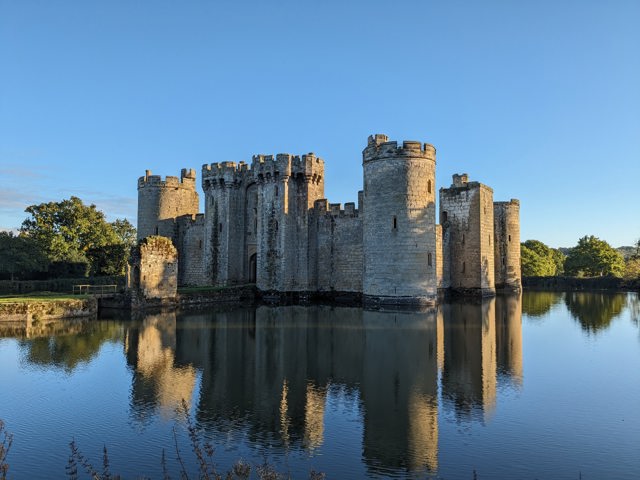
(379, 147)
(462, 184)
(224, 173)
(286, 165)
(323, 207)
(186, 180)
(266, 222)
(511, 203)
(191, 219)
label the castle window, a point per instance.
(276, 225)
(463, 238)
(276, 190)
(489, 239)
(509, 237)
(255, 225)
(200, 244)
(429, 186)
(395, 222)
(464, 266)
(220, 226)
(156, 230)
(429, 258)
(444, 217)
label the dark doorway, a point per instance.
(252, 268)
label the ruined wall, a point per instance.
(466, 216)
(338, 247)
(155, 268)
(399, 238)
(191, 264)
(507, 245)
(160, 202)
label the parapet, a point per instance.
(461, 183)
(187, 180)
(460, 179)
(379, 147)
(266, 167)
(223, 173)
(191, 220)
(323, 207)
(511, 203)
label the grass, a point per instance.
(40, 297)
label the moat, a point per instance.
(540, 386)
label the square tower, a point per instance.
(466, 216)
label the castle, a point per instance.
(267, 223)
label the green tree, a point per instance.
(538, 260)
(595, 311)
(20, 255)
(70, 231)
(632, 268)
(125, 231)
(593, 257)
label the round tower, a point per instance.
(160, 202)
(399, 238)
(506, 221)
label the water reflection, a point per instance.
(266, 373)
(158, 382)
(538, 304)
(595, 311)
(67, 344)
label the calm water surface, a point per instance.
(546, 385)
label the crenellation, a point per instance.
(268, 222)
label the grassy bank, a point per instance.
(40, 297)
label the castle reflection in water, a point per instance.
(267, 371)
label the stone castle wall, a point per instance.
(267, 223)
(338, 248)
(155, 269)
(191, 259)
(507, 245)
(399, 238)
(466, 215)
(160, 202)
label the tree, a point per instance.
(19, 255)
(593, 257)
(538, 260)
(72, 232)
(632, 268)
(125, 231)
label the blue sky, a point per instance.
(538, 99)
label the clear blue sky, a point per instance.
(538, 99)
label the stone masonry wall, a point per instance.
(507, 245)
(338, 237)
(155, 268)
(160, 202)
(190, 233)
(466, 215)
(399, 238)
(261, 225)
(224, 229)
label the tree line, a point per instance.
(591, 257)
(65, 239)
